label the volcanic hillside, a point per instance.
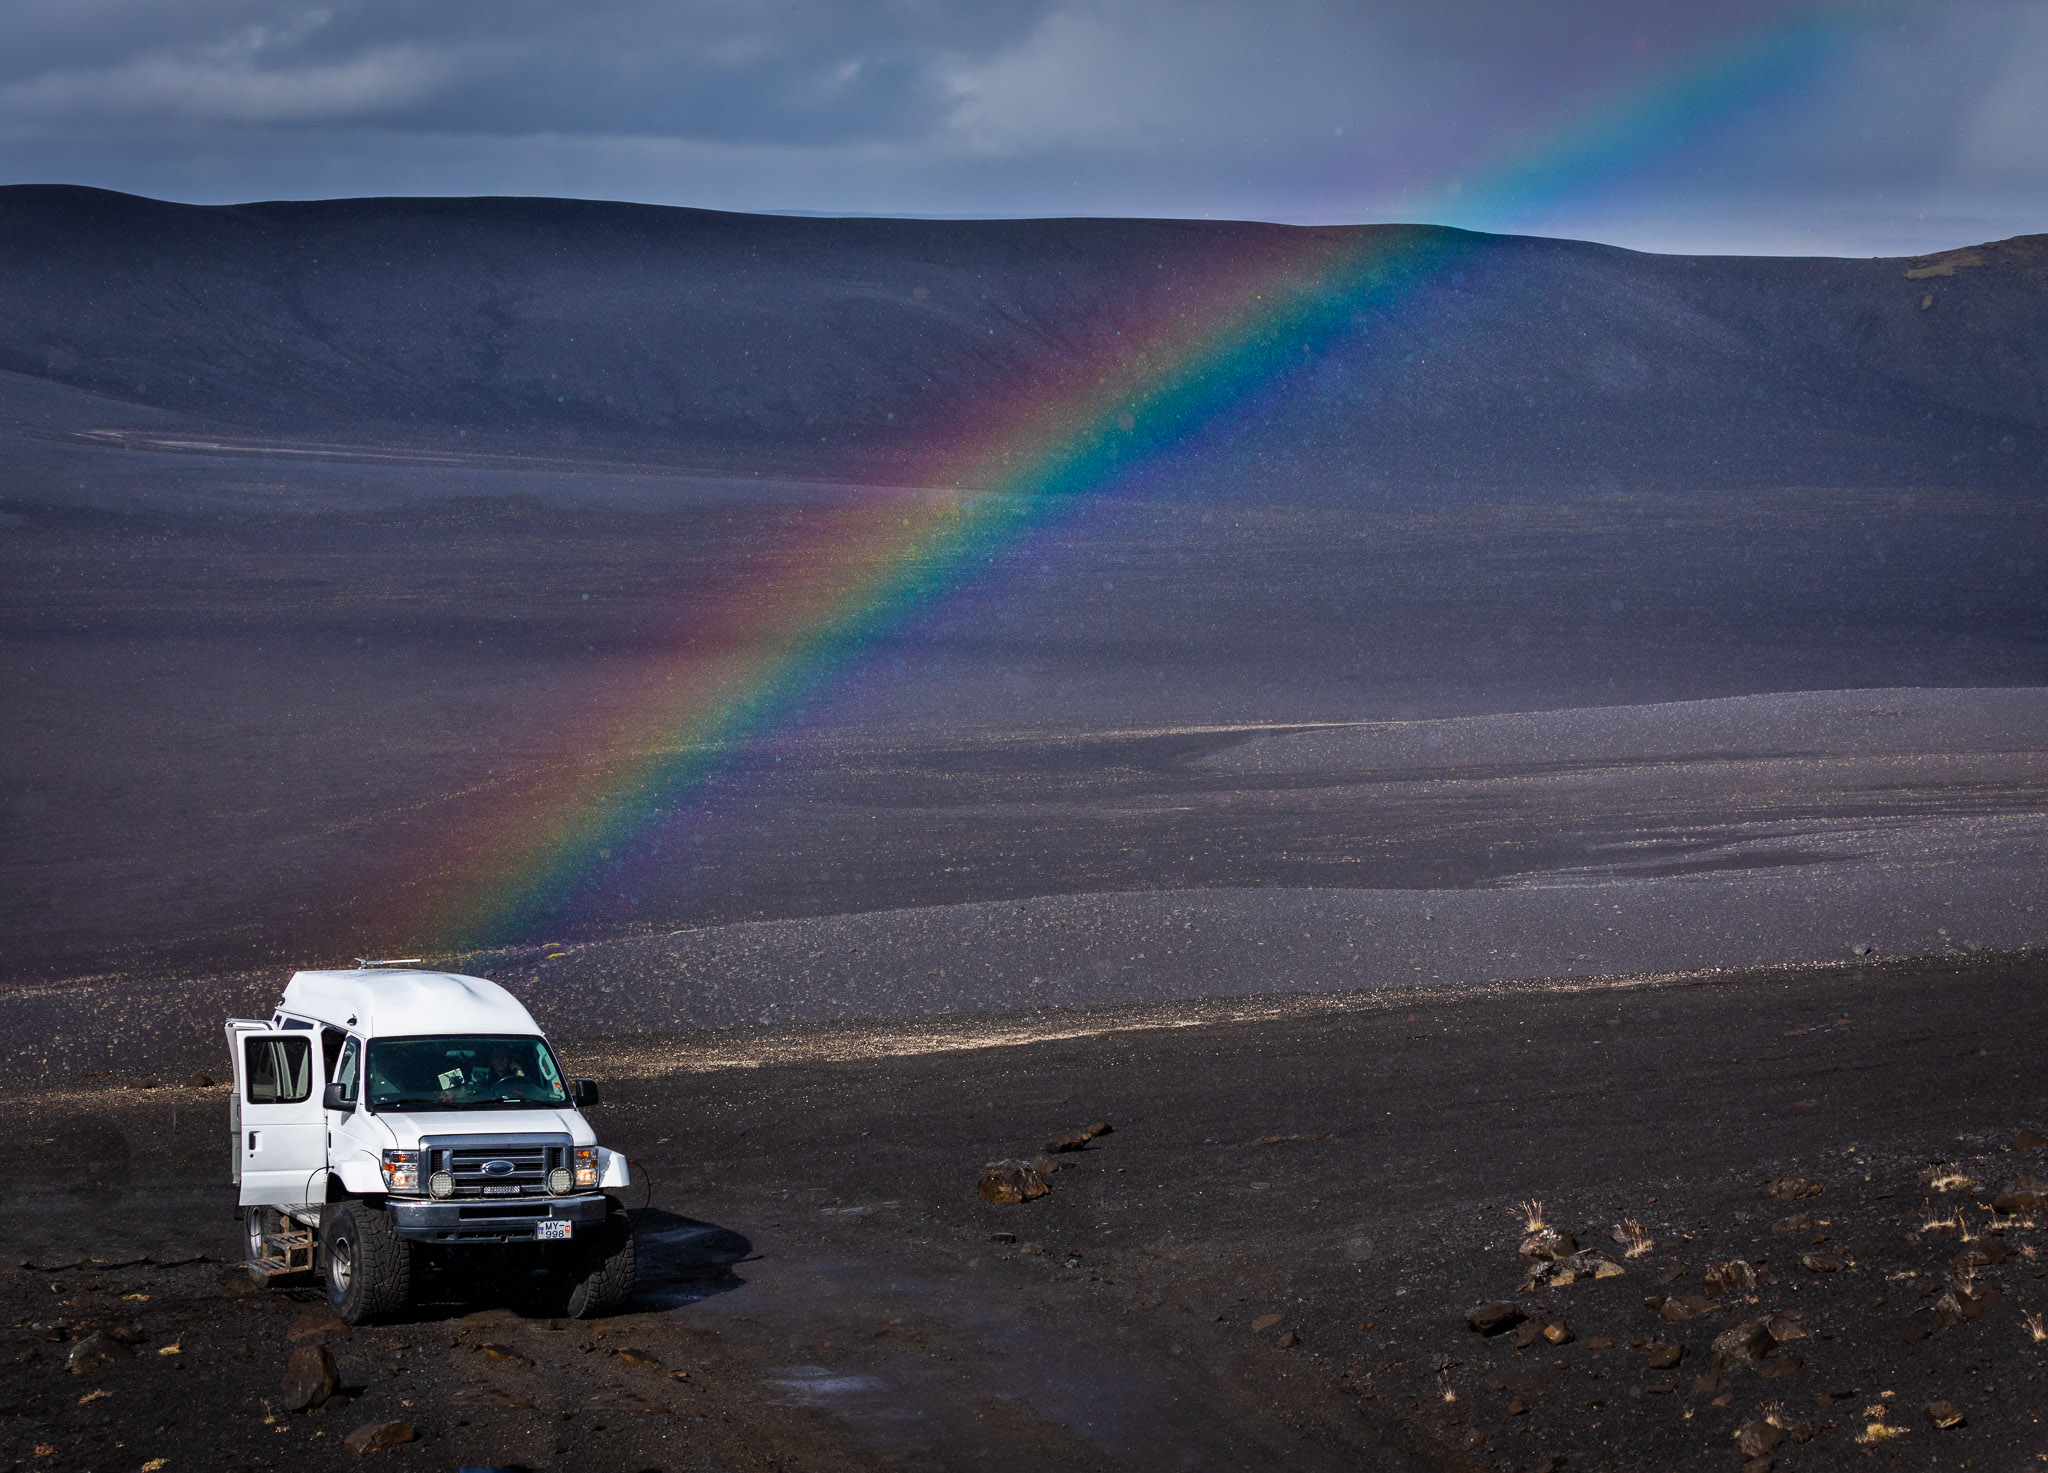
(844, 349)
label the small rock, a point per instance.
(313, 1325)
(310, 1377)
(1799, 1222)
(1288, 1340)
(1743, 1344)
(1599, 1342)
(1517, 1408)
(1096, 1127)
(633, 1356)
(1757, 1438)
(1681, 1307)
(1664, 1357)
(1783, 1328)
(1267, 1322)
(618, 1399)
(1033, 1248)
(1790, 1188)
(1822, 1263)
(2024, 1194)
(1011, 1181)
(1492, 1319)
(1073, 1140)
(94, 1352)
(1557, 1332)
(1944, 1414)
(1527, 1334)
(1002, 1237)
(1549, 1244)
(1734, 1276)
(374, 1437)
(501, 1352)
(2029, 1140)
(1045, 1165)
(469, 1398)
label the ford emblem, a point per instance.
(498, 1168)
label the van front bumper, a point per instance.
(492, 1220)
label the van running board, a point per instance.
(287, 1249)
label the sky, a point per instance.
(1749, 126)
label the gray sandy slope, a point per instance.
(1761, 831)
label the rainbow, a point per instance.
(1245, 324)
(1241, 325)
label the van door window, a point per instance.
(331, 1040)
(345, 1072)
(278, 1071)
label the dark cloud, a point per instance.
(1760, 125)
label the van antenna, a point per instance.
(389, 961)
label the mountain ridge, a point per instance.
(847, 347)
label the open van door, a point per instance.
(280, 1144)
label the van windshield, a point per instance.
(482, 1072)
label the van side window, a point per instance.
(330, 1052)
(277, 1071)
(345, 1072)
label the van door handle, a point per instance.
(252, 1142)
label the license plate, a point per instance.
(552, 1229)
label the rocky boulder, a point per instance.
(2022, 1194)
(310, 1378)
(95, 1352)
(376, 1437)
(1011, 1181)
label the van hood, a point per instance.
(408, 1126)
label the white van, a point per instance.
(384, 1119)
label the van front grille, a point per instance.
(496, 1166)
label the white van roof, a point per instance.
(389, 1002)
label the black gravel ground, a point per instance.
(1270, 1258)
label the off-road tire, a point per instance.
(369, 1267)
(249, 1240)
(605, 1267)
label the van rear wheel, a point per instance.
(369, 1267)
(254, 1223)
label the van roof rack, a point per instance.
(391, 961)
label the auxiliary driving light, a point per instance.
(561, 1180)
(441, 1184)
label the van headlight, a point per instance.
(585, 1159)
(401, 1171)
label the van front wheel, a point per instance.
(369, 1267)
(606, 1266)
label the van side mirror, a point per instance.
(585, 1094)
(335, 1097)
